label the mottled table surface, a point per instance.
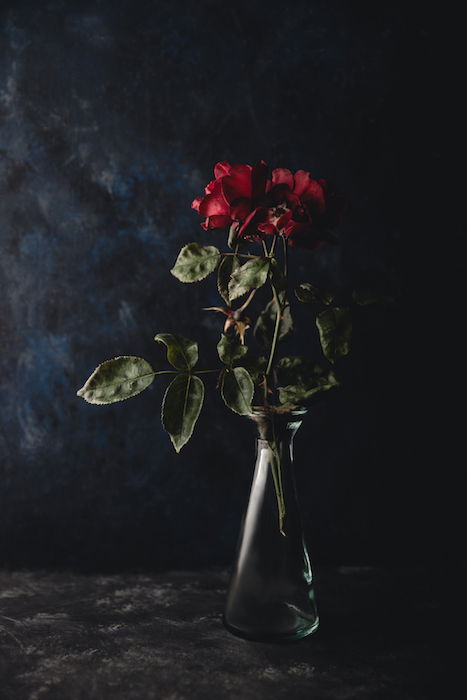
(136, 636)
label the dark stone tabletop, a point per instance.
(139, 636)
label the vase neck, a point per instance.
(277, 427)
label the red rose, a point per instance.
(301, 209)
(233, 196)
(294, 206)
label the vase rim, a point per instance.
(269, 411)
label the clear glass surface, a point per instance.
(271, 595)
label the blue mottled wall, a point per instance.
(112, 115)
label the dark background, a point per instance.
(112, 115)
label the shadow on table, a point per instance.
(376, 627)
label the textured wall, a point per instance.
(111, 118)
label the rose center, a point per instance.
(276, 212)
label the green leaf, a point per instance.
(308, 293)
(335, 332)
(251, 275)
(296, 369)
(229, 349)
(298, 394)
(195, 262)
(300, 379)
(232, 239)
(181, 407)
(255, 367)
(117, 380)
(264, 327)
(229, 264)
(237, 390)
(181, 352)
(278, 277)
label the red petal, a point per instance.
(240, 210)
(315, 194)
(282, 176)
(237, 183)
(214, 204)
(289, 229)
(210, 187)
(279, 193)
(283, 220)
(217, 221)
(222, 168)
(196, 202)
(267, 228)
(247, 221)
(302, 181)
(250, 226)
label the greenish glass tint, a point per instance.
(271, 595)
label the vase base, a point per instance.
(259, 636)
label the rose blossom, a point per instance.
(234, 196)
(292, 205)
(301, 209)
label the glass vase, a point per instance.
(271, 595)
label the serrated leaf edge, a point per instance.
(232, 371)
(199, 279)
(178, 447)
(81, 392)
(173, 335)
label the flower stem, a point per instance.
(276, 331)
(248, 301)
(277, 477)
(177, 371)
(240, 255)
(265, 385)
(271, 252)
(286, 255)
